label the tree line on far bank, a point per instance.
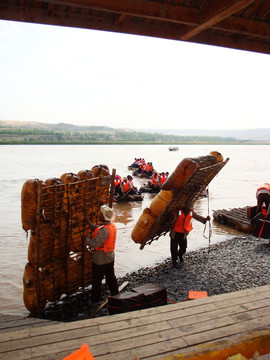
(40, 136)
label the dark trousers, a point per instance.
(262, 198)
(118, 190)
(178, 246)
(98, 273)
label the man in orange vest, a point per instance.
(133, 188)
(181, 228)
(150, 169)
(103, 243)
(263, 196)
(163, 177)
(155, 181)
(117, 185)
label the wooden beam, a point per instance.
(144, 9)
(170, 21)
(233, 42)
(215, 12)
(113, 23)
(237, 25)
(120, 19)
(170, 14)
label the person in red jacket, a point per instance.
(103, 243)
(263, 197)
(163, 177)
(118, 185)
(155, 181)
(181, 228)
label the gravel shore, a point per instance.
(236, 264)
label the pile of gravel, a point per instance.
(236, 264)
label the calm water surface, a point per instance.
(234, 186)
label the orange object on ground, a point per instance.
(196, 294)
(82, 354)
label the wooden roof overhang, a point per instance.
(242, 24)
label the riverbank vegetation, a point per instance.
(108, 136)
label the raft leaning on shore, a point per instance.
(57, 212)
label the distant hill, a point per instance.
(44, 126)
(240, 134)
(21, 132)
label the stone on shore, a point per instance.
(236, 264)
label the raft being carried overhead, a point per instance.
(185, 185)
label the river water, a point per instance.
(234, 186)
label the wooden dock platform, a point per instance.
(225, 324)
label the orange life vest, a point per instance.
(109, 244)
(155, 180)
(163, 178)
(130, 183)
(117, 182)
(126, 186)
(183, 222)
(144, 166)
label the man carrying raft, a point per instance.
(180, 191)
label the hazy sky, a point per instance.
(56, 74)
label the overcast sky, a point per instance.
(55, 74)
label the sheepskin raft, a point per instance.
(184, 186)
(57, 213)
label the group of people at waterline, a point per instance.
(104, 239)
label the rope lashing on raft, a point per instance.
(209, 240)
(209, 226)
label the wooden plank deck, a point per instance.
(174, 331)
(236, 218)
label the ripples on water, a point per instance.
(234, 186)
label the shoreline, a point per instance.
(232, 265)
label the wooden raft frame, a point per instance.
(62, 264)
(236, 218)
(190, 191)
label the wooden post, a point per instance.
(112, 188)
